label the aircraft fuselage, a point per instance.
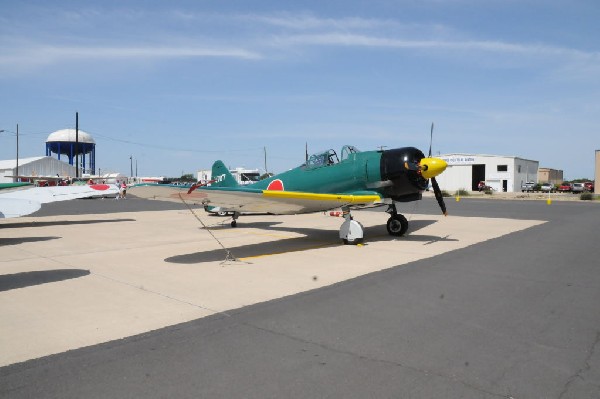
(391, 173)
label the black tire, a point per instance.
(397, 225)
(233, 223)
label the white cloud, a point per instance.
(253, 36)
(359, 40)
(41, 54)
(310, 22)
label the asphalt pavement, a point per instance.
(511, 317)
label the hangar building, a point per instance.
(36, 166)
(502, 173)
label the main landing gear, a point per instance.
(397, 223)
(352, 232)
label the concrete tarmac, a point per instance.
(109, 298)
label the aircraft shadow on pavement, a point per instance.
(28, 279)
(22, 240)
(312, 239)
(61, 223)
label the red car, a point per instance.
(564, 188)
(589, 186)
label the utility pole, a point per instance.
(77, 144)
(306, 151)
(17, 169)
(266, 170)
(131, 165)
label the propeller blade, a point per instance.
(438, 196)
(430, 140)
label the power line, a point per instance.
(142, 144)
(169, 148)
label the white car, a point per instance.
(548, 188)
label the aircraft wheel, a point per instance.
(397, 225)
(233, 223)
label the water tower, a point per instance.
(72, 144)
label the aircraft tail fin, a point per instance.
(221, 176)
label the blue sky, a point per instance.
(179, 84)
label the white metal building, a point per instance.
(502, 173)
(241, 175)
(36, 166)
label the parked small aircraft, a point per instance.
(20, 199)
(356, 179)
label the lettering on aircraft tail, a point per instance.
(219, 178)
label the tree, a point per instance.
(187, 177)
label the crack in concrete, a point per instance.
(586, 367)
(424, 372)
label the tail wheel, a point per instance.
(397, 225)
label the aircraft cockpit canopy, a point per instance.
(347, 150)
(329, 157)
(323, 158)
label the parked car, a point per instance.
(547, 188)
(527, 186)
(588, 186)
(564, 188)
(577, 188)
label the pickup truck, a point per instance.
(564, 188)
(577, 188)
(527, 186)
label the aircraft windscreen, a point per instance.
(347, 150)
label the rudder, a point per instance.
(221, 176)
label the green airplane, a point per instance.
(324, 182)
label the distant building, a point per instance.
(241, 175)
(34, 167)
(502, 173)
(547, 175)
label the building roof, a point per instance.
(68, 135)
(12, 163)
(463, 154)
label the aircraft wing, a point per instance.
(16, 207)
(240, 199)
(15, 203)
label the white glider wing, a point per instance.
(15, 203)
